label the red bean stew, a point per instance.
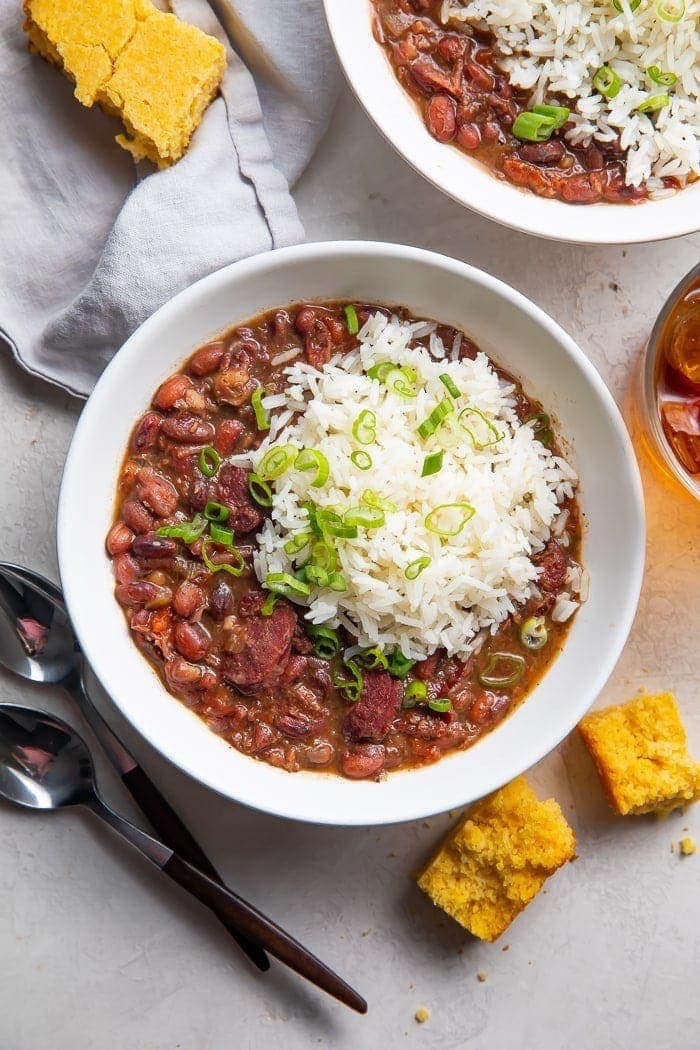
(465, 100)
(196, 610)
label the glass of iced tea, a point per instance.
(669, 398)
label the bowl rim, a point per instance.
(603, 223)
(73, 484)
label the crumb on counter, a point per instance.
(498, 858)
(640, 751)
(687, 846)
(422, 1014)
(156, 73)
(481, 976)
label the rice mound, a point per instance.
(555, 49)
(475, 579)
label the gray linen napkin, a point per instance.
(89, 247)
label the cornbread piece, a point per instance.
(422, 1014)
(496, 860)
(641, 754)
(154, 72)
(687, 846)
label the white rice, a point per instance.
(554, 49)
(476, 579)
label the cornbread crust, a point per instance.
(156, 73)
(640, 751)
(498, 858)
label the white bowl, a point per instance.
(470, 183)
(520, 337)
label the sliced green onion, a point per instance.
(443, 409)
(372, 499)
(399, 665)
(259, 490)
(187, 531)
(671, 10)
(533, 633)
(314, 575)
(216, 512)
(432, 520)
(324, 555)
(441, 705)
(542, 428)
(325, 639)
(349, 684)
(634, 4)
(361, 459)
(351, 320)
(559, 114)
(224, 537)
(297, 543)
(336, 582)
(606, 81)
(209, 461)
(489, 676)
(467, 419)
(312, 459)
(364, 429)
(269, 604)
(381, 370)
(432, 464)
(533, 127)
(665, 79)
(413, 571)
(414, 693)
(262, 420)
(276, 460)
(331, 524)
(365, 517)
(448, 434)
(398, 383)
(286, 584)
(312, 510)
(372, 658)
(449, 382)
(234, 570)
(653, 103)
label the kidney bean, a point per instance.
(188, 599)
(146, 432)
(318, 345)
(151, 547)
(304, 320)
(294, 723)
(320, 754)
(181, 672)
(170, 392)
(188, 429)
(233, 387)
(156, 492)
(431, 80)
(543, 152)
(468, 136)
(228, 434)
(191, 640)
(337, 329)
(493, 132)
(480, 76)
(141, 592)
(488, 708)
(119, 539)
(450, 48)
(440, 118)
(362, 762)
(125, 568)
(594, 158)
(220, 601)
(207, 359)
(137, 517)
